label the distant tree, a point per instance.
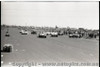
(56, 26)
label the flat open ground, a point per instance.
(61, 49)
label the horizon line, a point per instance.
(50, 26)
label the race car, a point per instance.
(54, 34)
(24, 32)
(7, 34)
(7, 48)
(60, 33)
(74, 35)
(33, 32)
(42, 35)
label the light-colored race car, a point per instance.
(74, 35)
(24, 32)
(54, 34)
(42, 35)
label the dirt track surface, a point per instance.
(50, 49)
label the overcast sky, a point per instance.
(62, 14)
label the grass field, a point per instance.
(50, 49)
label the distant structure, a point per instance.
(56, 27)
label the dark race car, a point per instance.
(33, 32)
(7, 34)
(7, 48)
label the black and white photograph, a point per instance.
(49, 33)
